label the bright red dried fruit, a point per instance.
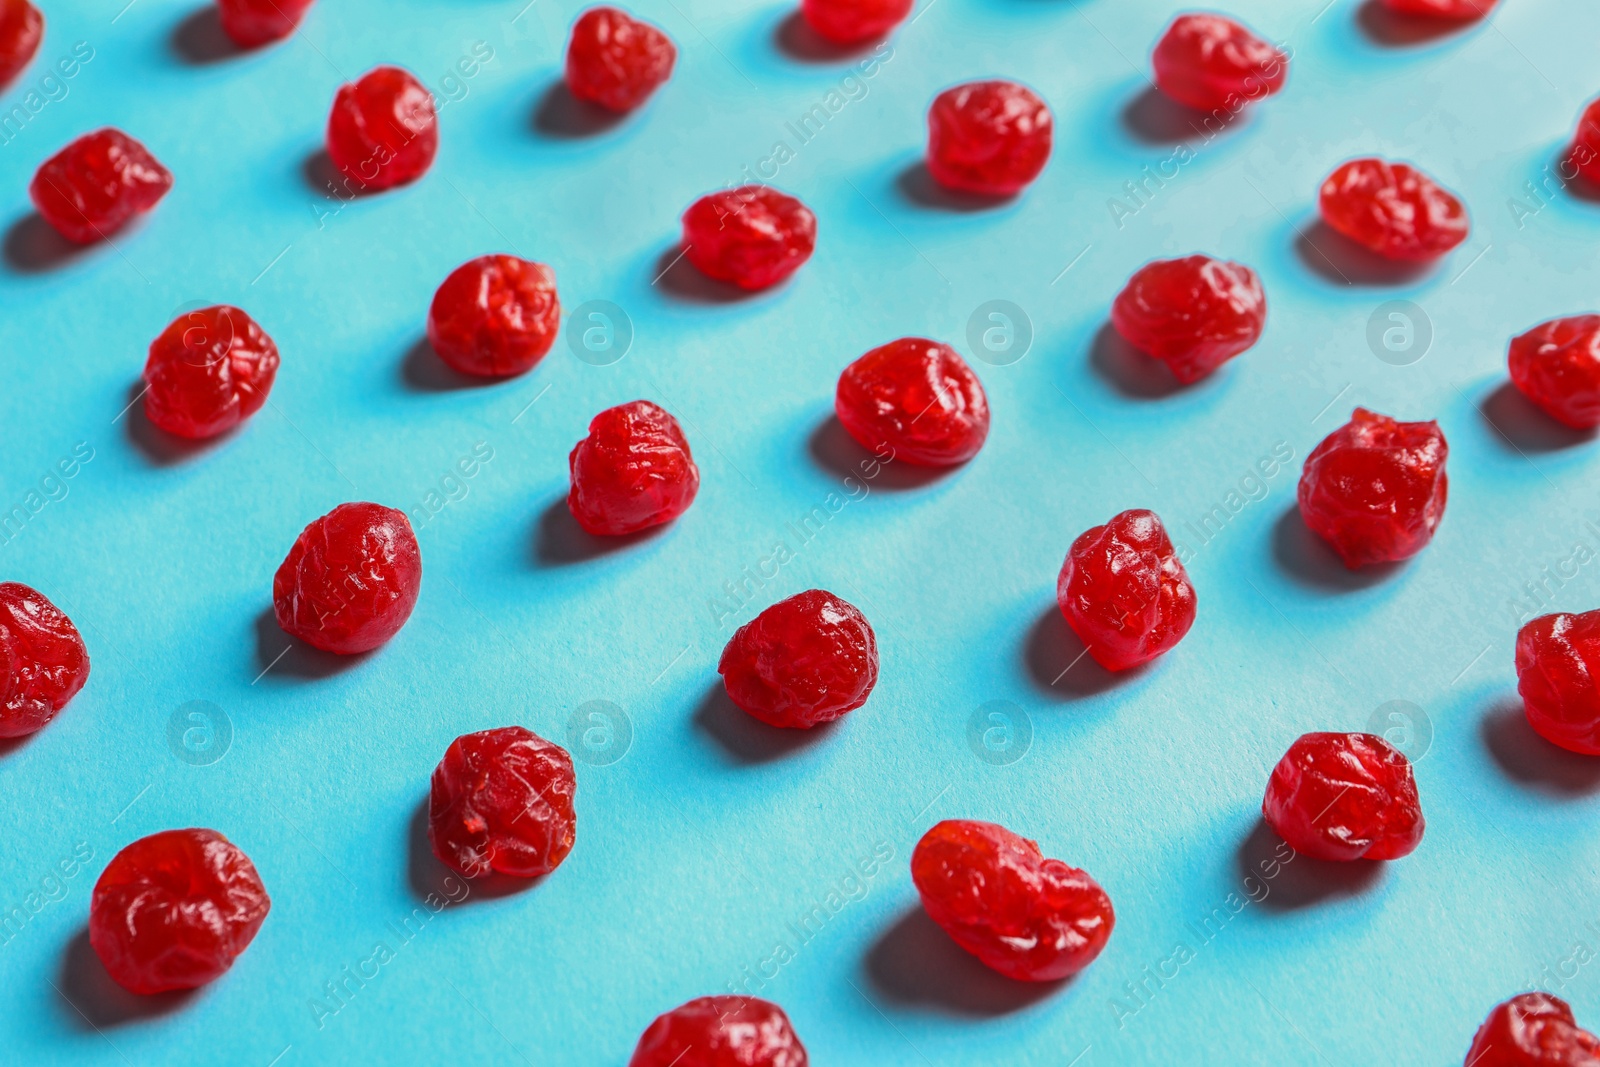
(1556, 365)
(1344, 797)
(351, 579)
(1028, 917)
(251, 23)
(616, 60)
(1375, 489)
(1194, 314)
(752, 237)
(1211, 63)
(1558, 662)
(724, 1031)
(1124, 592)
(989, 138)
(502, 804)
(174, 910)
(95, 185)
(21, 30)
(850, 22)
(1393, 209)
(208, 371)
(383, 130)
(632, 472)
(43, 656)
(495, 315)
(1533, 1030)
(1584, 155)
(915, 399)
(806, 660)
(1442, 9)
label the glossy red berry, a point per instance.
(495, 315)
(752, 237)
(1393, 209)
(1558, 676)
(1533, 1030)
(351, 579)
(1344, 797)
(1556, 365)
(43, 656)
(21, 30)
(1375, 488)
(1584, 155)
(632, 472)
(725, 1031)
(1123, 591)
(850, 22)
(97, 184)
(1028, 917)
(252, 23)
(915, 400)
(806, 660)
(502, 804)
(383, 130)
(1194, 314)
(989, 138)
(208, 371)
(616, 60)
(174, 910)
(1211, 63)
(1442, 9)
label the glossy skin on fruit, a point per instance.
(174, 910)
(632, 472)
(914, 400)
(1533, 1030)
(383, 130)
(502, 804)
(43, 656)
(1194, 314)
(752, 237)
(351, 579)
(1030, 918)
(1344, 797)
(988, 138)
(722, 1031)
(1584, 155)
(1123, 591)
(95, 185)
(252, 23)
(1556, 365)
(494, 316)
(615, 60)
(1558, 662)
(1442, 9)
(208, 371)
(21, 30)
(849, 22)
(1211, 63)
(1393, 209)
(1375, 489)
(803, 661)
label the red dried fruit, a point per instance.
(806, 660)
(1393, 209)
(724, 1031)
(1211, 63)
(1556, 365)
(616, 60)
(351, 579)
(995, 894)
(21, 30)
(1194, 314)
(208, 371)
(1375, 488)
(1344, 797)
(383, 130)
(1442, 9)
(752, 237)
(633, 471)
(251, 23)
(502, 804)
(1558, 660)
(1533, 1030)
(44, 659)
(495, 315)
(1584, 156)
(174, 910)
(916, 400)
(1124, 592)
(849, 22)
(989, 138)
(95, 185)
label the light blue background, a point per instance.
(710, 836)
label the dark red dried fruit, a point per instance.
(752, 237)
(915, 400)
(251, 23)
(1375, 488)
(806, 660)
(1558, 662)
(495, 315)
(1194, 314)
(43, 656)
(633, 471)
(616, 60)
(1211, 63)
(1344, 797)
(1584, 155)
(174, 910)
(95, 185)
(1028, 917)
(989, 138)
(502, 804)
(383, 130)
(208, 371)
(1556, 365)
(1533, 1030)
(351, 579)
(1442, 9)
(1124, 592)
(721, 1031)
(21, 30)
(850, 22)
(1393, 209)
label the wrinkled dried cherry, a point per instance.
(1194, 313)
(721, 1031)
(97, 184)
(495, 315)
(43, 656)
(1211, 63)
(915, 400)
(988, 138)
(1344, 797)
(1393, 209)
(632, 472)
(383, 130)
(1556, 365)
(850, 22)
(501, 803)
(1584, 155)
(1558, 676)
(1533, 1030)
(752, 237)
(1124, 592)
(251, 23)
(21, 30)
(616, 60)
(208, 371)
(803, 661)
(351, 579)
(1442, 9)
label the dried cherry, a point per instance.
(495, 315)
(915, 400)
(1558, 661)
(1556, 365)
(1393, 209)
(44, 658)
(752, 237)
(501, 803)
(1194, 313)
(351, 579)
(616, 60)
(208, 371)
(806, 660)
(632, 472)
(1533, 1030)
(97, 184)
(383, 130)
(252, 23)
(21, 30)
(988, 138)
(1344, 797)
(1124, 592)
(721, 1031)
(1212, 63)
